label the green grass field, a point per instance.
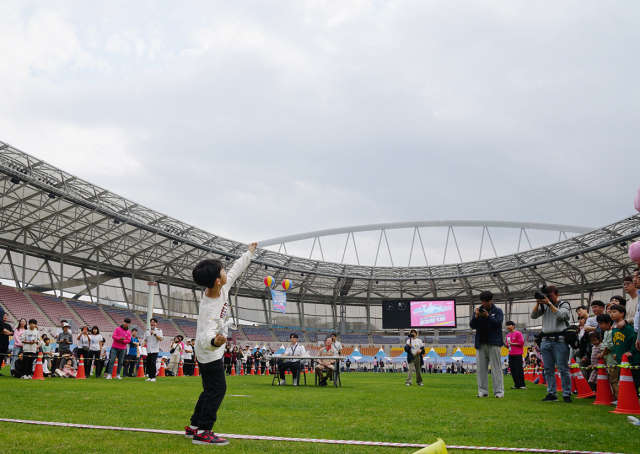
(373, 407)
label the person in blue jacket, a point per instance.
(487, 321)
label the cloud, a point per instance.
(270, 119)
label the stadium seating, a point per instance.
(468, 351)
(354, 339)
(396, 351)
(258, 333)
(346, 351)
(54, 308)
(91, 315)
(118, 314)
(283, 334)
(429, 339)
(188, 327)
(461, 339)
(19, 305)
(441, 351)
(369, 351)
(312, 336)
(377, 339)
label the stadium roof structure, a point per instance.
(57, 218)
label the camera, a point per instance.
(542, 294)
(481, 309)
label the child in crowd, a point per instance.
(17, 371)
(606, 322)
(100, 364)
(30, 344)
(624, 339)
(47, 350)
(596, 343)
(210, 343)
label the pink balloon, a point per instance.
(634, 252)
(636, 202)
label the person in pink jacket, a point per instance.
(121, 338)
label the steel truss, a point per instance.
(52, 215)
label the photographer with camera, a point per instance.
(487, 321)
(554, 346)
(415, 349)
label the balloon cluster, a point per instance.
(268, 281)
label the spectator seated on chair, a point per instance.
(325, 367)
(293, 365)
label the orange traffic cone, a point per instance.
(251, 372)
(584, 390)
(558, 381)
(233, 370)
(180, 370)
(37, 374)
(257, 370)
(628, 403)
(80, 375)
(241, 370)
(604, 396)
(162, 373)
(140, 369)
(267, 372)
(114, 371)
(196, 370)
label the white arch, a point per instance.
(415, 224)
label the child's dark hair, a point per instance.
(618, 307)
(206, 272)
(153, 319)
(604, 318)
(595, 336)
(509, 323)
(34, 321)
(96, 328)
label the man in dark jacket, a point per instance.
(487, 321)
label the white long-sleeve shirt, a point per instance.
(213, 311)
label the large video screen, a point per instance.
(403, 314)
(433, 314)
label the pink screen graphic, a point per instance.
(433, 313)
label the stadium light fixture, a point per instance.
(52, 195)
(15, 180)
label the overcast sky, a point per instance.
(259, 119)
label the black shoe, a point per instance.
(514, 387)
(567, 400)
(323, 383)
(550, 398)
(482, 395)
(208, 438)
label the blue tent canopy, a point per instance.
(381, 355)
(400, 358)
(280, 351)
(365, 359)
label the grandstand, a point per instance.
(111, 247)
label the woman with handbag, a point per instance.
(83, 348)
(176, 351)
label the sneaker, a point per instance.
(567, 399)
(189, 432)
(323, 383)
(148, 379)
(282, 382)
(152, 379)
(550, 398)
(108, 377)
(420, 384)
(514, 387)
(208, 438)
(295, 382)
(522, 387)
(499, 397)
(482, 395)
(118, 377)
(408, 384)
(615, 402)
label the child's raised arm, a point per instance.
(241, 264)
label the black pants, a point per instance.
(517, 372)
(151, 364)
(100, 365)
(293, 366)
(214, 388)
(130, 365)
(27, 363)
(92, 355)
